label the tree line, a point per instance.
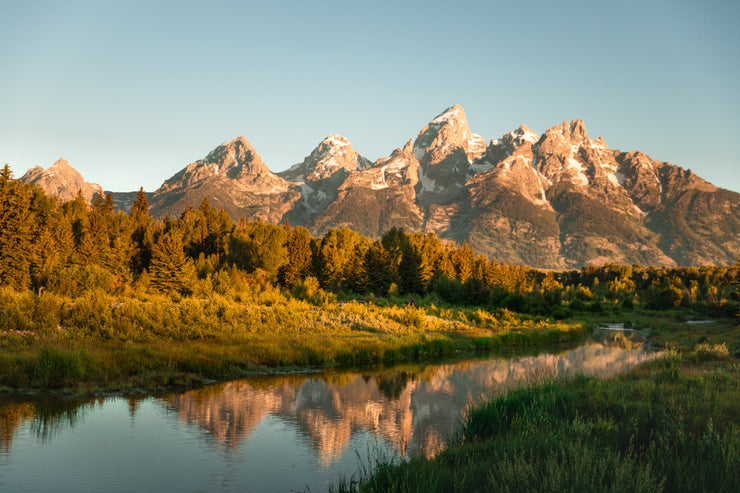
(72, 248)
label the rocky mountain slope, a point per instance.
(234, 178)
(556, 200)
(61, 180)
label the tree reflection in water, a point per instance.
(411, 407)
(48, 416)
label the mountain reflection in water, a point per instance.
(412, 408)
(268, 433)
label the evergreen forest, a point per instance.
(74, 248)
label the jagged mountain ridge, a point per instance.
(556, 200)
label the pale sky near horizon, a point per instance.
(130, 92)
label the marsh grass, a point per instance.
(670, 425)
(99, 341)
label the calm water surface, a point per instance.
(287, 433)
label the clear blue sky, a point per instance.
(130, 92)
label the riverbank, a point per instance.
(99, 343)
(669, 425)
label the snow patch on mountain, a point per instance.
(530, 136)
(447, 115)
(476, 147)
(542, 198)
(598, 143)
(520, 136)
(427, 184)
(576, 171)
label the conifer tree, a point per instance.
(340, 258)
(378, 266)
(394, 242)
(207, 231)
(358, 277)
(109, 205)
(420, 257)
(94, 242)
(44, 246)
(57, 247)
(15, 231)
(463, 259)
(119, 255)
(77, 212)
(142, 236)
(139, 211)
(409, 271)
(170, 269)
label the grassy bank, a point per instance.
(99, 342)
(670, 425)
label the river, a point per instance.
(266, 433)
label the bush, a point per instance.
(309, 290)
(515, 302)
(16, 310)
(706, 350)
(78, 279)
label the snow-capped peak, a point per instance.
(333, 153)
(447, 115)
(444, 134)
(335, 140)
(522, 135)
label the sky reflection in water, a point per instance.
(266, 433)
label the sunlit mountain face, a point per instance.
(560, 199)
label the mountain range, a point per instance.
(556, 200)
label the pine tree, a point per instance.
(119, 256)
(77, 213)
(109, 206)
(94, 242)
(340, 258)
(421, 256)
(463, 259)
(170, 269)
(409, 271)
(378, 266)
(142, 236)
(45, 247)
(358, 277)
(16, 219)
(207, 231)
(139, 211)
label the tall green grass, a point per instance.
(663, 427)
